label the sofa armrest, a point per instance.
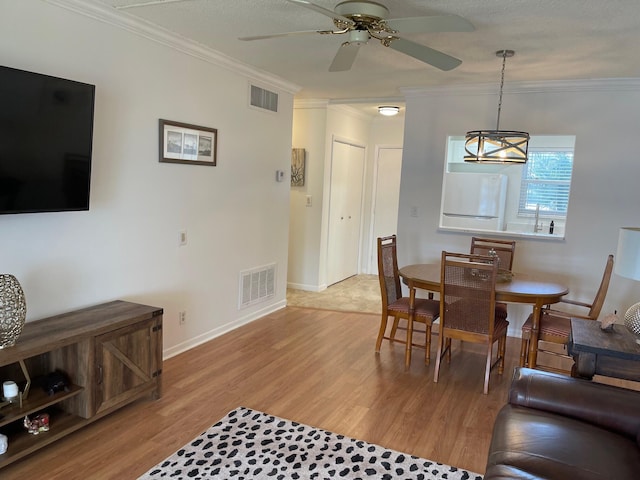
(609, 407)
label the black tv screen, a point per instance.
(46, 130)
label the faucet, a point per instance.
(538, 226)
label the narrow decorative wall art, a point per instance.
(297, 167)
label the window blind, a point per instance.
(546, 181)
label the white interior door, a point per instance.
(386, 198)
(345, 211)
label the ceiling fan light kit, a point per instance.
(358, 36)
(363, 20)
(497, 146)
(388, 110)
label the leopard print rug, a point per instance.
(251, 445)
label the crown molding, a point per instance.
(120, 19)
(553, 86)
(324, 104)
(376, 100)
(349, 110)
(310, 103)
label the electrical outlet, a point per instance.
(182, 238)
(182, 317)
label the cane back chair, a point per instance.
(555, 325)
(397, 306)
(468, 308)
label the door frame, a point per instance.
(354, 143)
(373, 247)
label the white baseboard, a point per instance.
(216, 332)
(307, 288)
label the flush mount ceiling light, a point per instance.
(497, 146)
(388, 110)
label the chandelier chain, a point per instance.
(504, 62)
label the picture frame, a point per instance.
(188, 144)
(297, 167)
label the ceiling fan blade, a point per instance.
(286, 34)
(425, 54)
(324, 11)
(345, 57)
(436, 23)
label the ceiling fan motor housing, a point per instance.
(362, 11)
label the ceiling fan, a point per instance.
(362, 20)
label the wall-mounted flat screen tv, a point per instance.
(46, 131)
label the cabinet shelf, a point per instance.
(23, 443)
(36, 401)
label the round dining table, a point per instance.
(534, 289)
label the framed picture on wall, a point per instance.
(297, 167)
(186, 143)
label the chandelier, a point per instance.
(497, 146)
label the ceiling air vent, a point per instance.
(265, 99)
(257, 285)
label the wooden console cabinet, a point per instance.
(111, 353)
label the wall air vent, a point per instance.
(257, 285)
(264, 99)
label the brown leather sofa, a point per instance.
(558, 427)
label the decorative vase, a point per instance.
(632, 320)
(13, 310)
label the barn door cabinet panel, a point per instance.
(127, 364)
(110, 353)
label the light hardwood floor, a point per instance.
(317, 367)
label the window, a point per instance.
(543, 184)
(546, 181)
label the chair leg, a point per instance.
(394, 328)
(427, 345)
(448, 350)
(409, 344)
(502, 347)
(524, 349)
(383, 329)
(487, 369)
(439, 356)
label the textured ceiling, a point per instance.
(553, 40)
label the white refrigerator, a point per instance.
(474, 200)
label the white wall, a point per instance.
(305, 226)
(603, 115)
(316, 125)
(126, 245)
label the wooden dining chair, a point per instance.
(467, 308)
(505, 249)
(555, 325)
(397, 306)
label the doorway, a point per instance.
(345, 211)
(386, 198)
